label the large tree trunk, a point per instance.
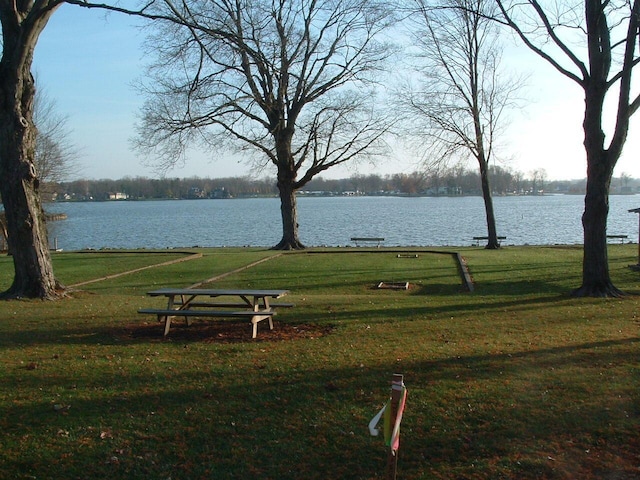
(287, 185)
(596, 281)
(492, 232)
(289, 212)
(25, 222)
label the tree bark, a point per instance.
(483, 164)
(289, 213)
(27, 234)
(287, 184)
(492, 233)
(596, 280)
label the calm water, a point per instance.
(419, 221)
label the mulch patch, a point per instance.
(222, 332)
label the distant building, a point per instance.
(117, 196)
(195, 192)
(443, 191)
(220, 193)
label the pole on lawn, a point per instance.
(637, 210)
(396, 396)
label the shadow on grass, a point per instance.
(301, 322)
(554, 357)
(140, 331)
(193, 425)
(383, 313)
(554, 412)
(311, 423)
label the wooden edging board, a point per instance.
(463, 269)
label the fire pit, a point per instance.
(393, 285)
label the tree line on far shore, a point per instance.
(456, 181)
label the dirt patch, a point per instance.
(222, 332)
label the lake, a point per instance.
(330, 221)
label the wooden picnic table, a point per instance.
(196, 302)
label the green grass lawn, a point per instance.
(516, 380)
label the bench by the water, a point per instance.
(255, 305)
(359, 240)
(622, 238)
(477, 240)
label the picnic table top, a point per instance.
(170, 292)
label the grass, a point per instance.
(516, 380)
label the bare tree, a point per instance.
(55, 154)
(22, 23)
(538, 179)
(518, 181)
(594, 44)
(463, 93)
(624, 180)
(290, 81)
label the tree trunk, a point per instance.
(287, 184)
(492, 233)
(27, 235)
(288, 211)
(596, 281)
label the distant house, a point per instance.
(117, 196)
(195, 192)
(220, 193)
(443, 191)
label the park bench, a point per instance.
(622, 238)
(477, 240)
(359, 240)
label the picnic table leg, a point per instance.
(167, 318)
(268, 307)
(167, 325)
(185, 306)
(254, 323)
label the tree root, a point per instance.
(289, 245)
(598, 291)
(16, 293)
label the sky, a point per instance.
(88, 62)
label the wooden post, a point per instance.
(396, 394)
(637, 210)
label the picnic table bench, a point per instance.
(477, 240)
(254, 305)
(377, 240)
